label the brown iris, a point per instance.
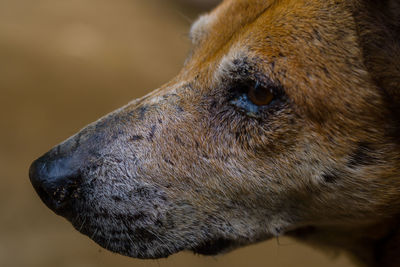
(260, 95)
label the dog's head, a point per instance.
(284, 116)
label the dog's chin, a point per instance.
(142, 250)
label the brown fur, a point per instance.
(322, 165)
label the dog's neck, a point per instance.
(371, 245)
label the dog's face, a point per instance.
(273, 124)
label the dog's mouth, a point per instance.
(214, 247)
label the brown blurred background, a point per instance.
(62, 65)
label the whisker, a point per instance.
(83, 223)
(108, 242)
(94, 233)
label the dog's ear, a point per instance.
(378, 24)
(390, 77)
(393, 87)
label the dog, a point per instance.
(285, 120)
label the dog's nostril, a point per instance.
(56, 181)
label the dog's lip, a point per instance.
(222, 245)
(215, 246)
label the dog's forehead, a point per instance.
(216, 28)
(239, 30)
(240, 27)
(230, 15)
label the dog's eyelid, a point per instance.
(275, 87)
(256, 82)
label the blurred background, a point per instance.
(63, 64)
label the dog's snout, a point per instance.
(56, 180)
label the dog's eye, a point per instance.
(251, 97)
(259, 95)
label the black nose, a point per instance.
(56, 180)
